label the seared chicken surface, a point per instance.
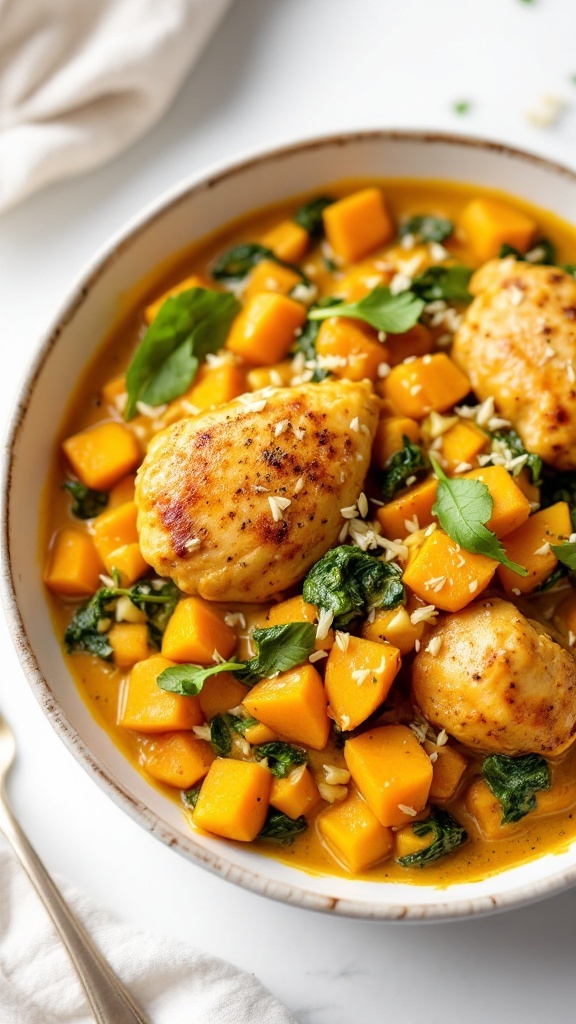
(499, 683)
(238, 503)
(517, 342)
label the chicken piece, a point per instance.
(517, 342)
(499, 682)
(211, 489)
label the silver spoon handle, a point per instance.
(109, 1000)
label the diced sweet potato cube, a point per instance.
(461, 444)
(361, 279)
(351, 348)
(122, 492)
(489, 223)
(288, 240)
(179, 759)
(220, 693)
(417, 341)
(358, 679)
(116, 539)
(278, 375)
(529, 545)
(234, 799)
(355, 834)
(263, 332)
(268, 276)
(393, 626)
(447, 770)
(195, 632)
(194, 281)
(408, 843)
(415, 502)
(511, 508)
(443, 574)
(357, 224)
(529, 490)
(144, 706)
(486, 810)
(293, 704)
(129, 641)
(391, 770)
(431, 383)
(114, 392)
(296, 794)
(74, 565)
(102, 455)
(296, 609)
(390, 437)
(259, 733)
(216, 385)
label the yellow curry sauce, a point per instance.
(489, 849)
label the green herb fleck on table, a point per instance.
(461, 107)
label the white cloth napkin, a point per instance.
(82, 79)
(173, 984)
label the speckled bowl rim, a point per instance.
(219, 863)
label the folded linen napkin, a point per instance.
(171, 983)
(80, 81)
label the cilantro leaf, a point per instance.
(282, 757)
(187, 327)
(238, 261)
(279, 828)
(463, 507)
(188, 680)
(514, 781)
(447, 835)
(410, 460)
(309, 216)
(86, 502)
(427, 229)
(448, 283)
(386, 312)
(348, 582)
(565, 553)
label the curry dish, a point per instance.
(310, 536)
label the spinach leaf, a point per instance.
(86, 502)
(240, 725)
(542, 252)
(514, 781)
(386, 312)
(158, 612)
(463, 507)
(559, 573)
(238, 261)
(84, 631)
(220, 735)
(309, 216)
(348, 582)
(565, 553)
(447, 835)
(559, 487)
(190, 796)
(569, 268)
(448, 283)
(306, 341)
(427, 229)
(282, 757)
(188, 680)
(511, 440)
(279, 648)
(188, 326)
(279, 828)
(410, 460)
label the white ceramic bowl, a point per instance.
(191, 210)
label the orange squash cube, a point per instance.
(220, 693)
(447, 770)
(511, 508)
(408, 843)
(296, 609)
(360, 279)
(354, 833)
(352, 348)
(417, 341)
(529, 545)
(288, 240)
(392, 772)
(153, 308)
(102, 455)
(416, 502)
(357, 224)
(268, 276)
(216, 385)
(234, 799)
(178, 759)
(195, 632)
(264, 331)
(462, 443)
(358, 679)
(129, 641)
(393, 626)
(116, 540)
(74, 565)
(114, 392)
(447, 576)
(122, 492)
(431, 383)
(145, 707)
(296, 794)
(489, 223)
(278, 375)
(390, 437)
(292, 704)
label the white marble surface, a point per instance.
(276, 70)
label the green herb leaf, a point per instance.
(279, 828)
(559, 487)
(84, 629)
(542, 252)
(410, 460)
(386, 312)
(565, 553)
(240, 260)
(447, 835)
(279, 648)
(86, 503)
(309, 216)
(187, 328)
(427, 229)
(448, 283)
(306, 341)
(464, 106)
(282, 757)
(569, 268)
(514, 781)
(220, 735)
(510, 439)
(188, 680)
(348, 582)
(240, 725)
(190, 796)
(463, 507)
